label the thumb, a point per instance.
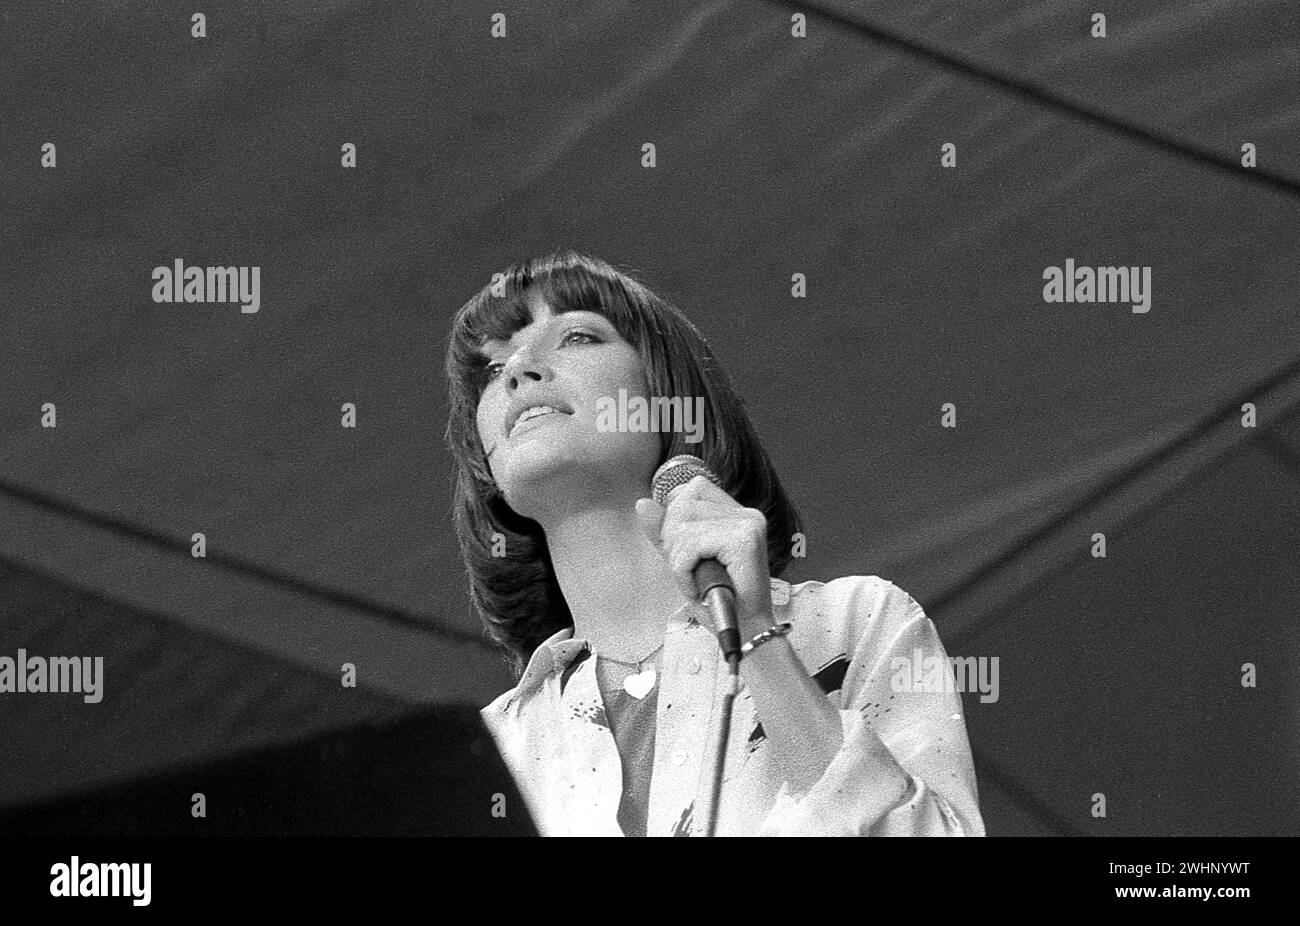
(650, 517)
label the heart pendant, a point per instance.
(639, 685)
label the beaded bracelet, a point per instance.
(771, 633)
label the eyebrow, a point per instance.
(481, 347)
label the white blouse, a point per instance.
(847, 632)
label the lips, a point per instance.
(535, 411)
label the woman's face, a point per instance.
(537, 415)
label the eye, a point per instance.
(579, 333)
(491, 370)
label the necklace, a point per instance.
(634, 665)
(639, 682)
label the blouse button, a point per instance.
(679, 758)
(693, 666)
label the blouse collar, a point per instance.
(556, 652)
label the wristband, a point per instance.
(771, 633)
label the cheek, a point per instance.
(628, 373)
(486, 414)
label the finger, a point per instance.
(694, 502)
(735, 520)
(650, 518)
(700, 500)
(728, 540)
(682, 576)
(702, 488)
(681, 517)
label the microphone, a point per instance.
(712, 583)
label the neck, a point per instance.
(617, 585)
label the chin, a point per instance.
(540, 471)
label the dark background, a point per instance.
(775, 156)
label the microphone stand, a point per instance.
(719, 595)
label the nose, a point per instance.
(524, 365)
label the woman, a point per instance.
(586, 583)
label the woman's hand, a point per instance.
(702, 521)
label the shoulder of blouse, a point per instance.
(845, 615)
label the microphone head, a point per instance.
(676, 472)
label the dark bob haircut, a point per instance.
(517, 595)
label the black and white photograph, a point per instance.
(599, 418)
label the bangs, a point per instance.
(564, 283)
